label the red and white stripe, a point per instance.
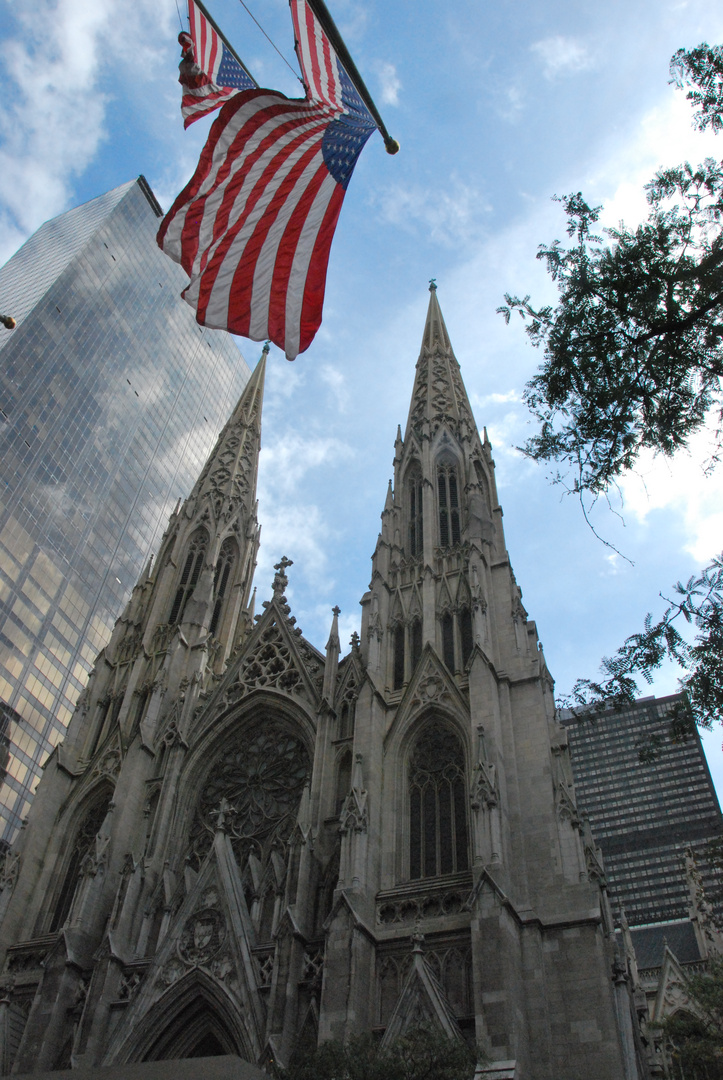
(198, 101)
(207, 44)
(254, 226)
(317, 58)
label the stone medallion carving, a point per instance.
(203, 936)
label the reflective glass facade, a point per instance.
(644, 815)
(111, 397)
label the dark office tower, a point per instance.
(111, 397)
(646, 814)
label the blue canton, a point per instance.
(344, 138)
(230, 73)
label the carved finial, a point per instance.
(432, 284)
(336, 610)
(280, 578)
(354, 641)
(417, 937)
(223, 815)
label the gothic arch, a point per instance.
(342, 786)
(84, 821)
(413, 507)
(227, 565)
(448, 492)
(259, 760)
(194, 1009)
(400, 751)
(191, 564)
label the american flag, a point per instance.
(210, 73)
(254, 225)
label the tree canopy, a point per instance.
(423, 1053)
(632, 349)
(633, 360)
(695, 1039)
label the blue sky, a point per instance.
(497, 108)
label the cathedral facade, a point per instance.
(245, 846)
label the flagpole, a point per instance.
(204, 11)
(323, 15)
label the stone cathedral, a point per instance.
(245, 845)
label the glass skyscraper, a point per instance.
(646, 814)
(111, 397)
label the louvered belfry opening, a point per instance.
(222, 576)
(190, 574)
(448, 496)
(416, 520)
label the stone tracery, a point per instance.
(261, 777)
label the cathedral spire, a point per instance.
(439, 397)
(229, 476)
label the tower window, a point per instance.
(398, 645)
(465, 634)
(414, 496)
(190, 574)
(448, 496)
(447, 624)
(437, 814)
(343, 781)
(415, 634)
(222, 576)
(83, 845)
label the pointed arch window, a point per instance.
(447, 626)
(414, 509)
(221, 581)
(465, 634)
(415, 641)
(398, 646)
(82, 846)
(448, 498)
(192, 567)
(343, 781)
(437, 806)
(347, 714)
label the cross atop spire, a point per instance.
(439, 396)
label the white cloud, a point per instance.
(497, 399)
(389, 83)
(509, 102)
(451, 213)
(680, 484)
(562, 56)
(664, 136)
(54, 117)
(286, 462)
(334, 379)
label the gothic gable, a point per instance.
(274, 657)
(210, 938)
(431, 685)
(421, 1002)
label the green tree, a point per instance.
(633, 360)
(422, 1054)
(695, 1038)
